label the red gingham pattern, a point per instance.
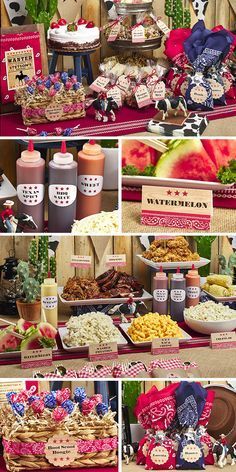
(170, 364)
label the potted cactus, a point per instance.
(29, 306)
(31, 274)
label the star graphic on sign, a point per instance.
(177, 192)
(169, 192)
(185, 193)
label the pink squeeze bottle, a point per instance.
(62, 191)
(30, 178)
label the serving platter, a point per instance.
(101, 301)
(139, 180)
(63, 331)
(220, 299)
(174, 265)
(125, 327)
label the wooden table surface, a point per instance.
(211, 363)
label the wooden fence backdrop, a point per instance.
(130, 245)
(218, 12)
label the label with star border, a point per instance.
(61, 450)
(176, 207)
(62, 195)
(30, 194)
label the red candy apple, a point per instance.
(62, 22)
(90, 24)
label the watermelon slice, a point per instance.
(221, 151)
(8, 342)
(186, 159)
(137, 154)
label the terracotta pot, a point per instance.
(29, 311)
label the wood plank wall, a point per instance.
(69, 245)
(218, 12)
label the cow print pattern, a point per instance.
(111, 9)
(16, 11)
(200, 7)
(193, 126)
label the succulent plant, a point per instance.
(181, 17)
(31, 289)
(41, 11)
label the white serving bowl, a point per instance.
(208, 327)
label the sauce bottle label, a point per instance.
(90, 185)
(49, 303)
(30, 194)
(160, 294)
(193, 292)
(177, 295)
(62, 195)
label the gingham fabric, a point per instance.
(171, 364)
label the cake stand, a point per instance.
(80, 70)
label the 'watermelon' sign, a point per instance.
(176, 207)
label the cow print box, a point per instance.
(195, 125)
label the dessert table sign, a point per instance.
(165, 346)
(223, 340)
(103, 351)
(36, 358)
(23, 54)
(176, 207)
(81, 260)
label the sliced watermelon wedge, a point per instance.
(138, 154)
(186, 159)
(221, 151)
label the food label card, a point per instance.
(142, 96)
(61, 450)
(138, 35)
(165, 346)
(81, 261)
(114, 32)
(223, 340)
(176, 207)
(36, 358)
(99, 84)
(114, 260)
(103, 351)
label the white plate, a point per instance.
(6, 189)
(125, 326)
(174, 265)
(63, 331)
(14, 354)
(139, 180)
(101, 301)
(221, 299)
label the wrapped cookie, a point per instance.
(199, 93)
(138, 96)
(161, 453)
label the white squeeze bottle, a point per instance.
(49, 300)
